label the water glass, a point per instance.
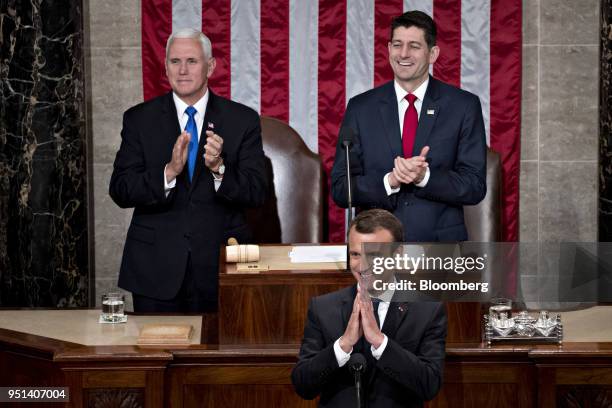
(113, 307)
(498, 306)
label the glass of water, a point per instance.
(498, 307)
(113, 307)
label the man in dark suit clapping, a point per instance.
(189, 163)
(420, 150)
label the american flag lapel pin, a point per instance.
(431, 111)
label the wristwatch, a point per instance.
(220, 171)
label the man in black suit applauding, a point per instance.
(190, 162)
(404, 354)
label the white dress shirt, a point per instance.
(402, 107)
(383, 308)
(183, 117)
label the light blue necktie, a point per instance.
(192, 129)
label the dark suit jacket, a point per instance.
(451, 124)
(194, 217)
(408, 372)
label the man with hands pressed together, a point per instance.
(420, 145)
(404, 352)
(190, 162)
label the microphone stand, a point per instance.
(349, 192)
(357, 365)
(349, 196)
(358, 387)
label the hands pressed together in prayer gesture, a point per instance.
(361, 322)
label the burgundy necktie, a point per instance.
(411, 121)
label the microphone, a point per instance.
(346, 138)
(357, 365)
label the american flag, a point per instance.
(301, 61)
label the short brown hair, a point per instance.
(417, 19)
(367, 222)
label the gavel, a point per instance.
(241, 253)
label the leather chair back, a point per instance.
(293, 212)
(483, 220)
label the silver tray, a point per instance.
(491, 335)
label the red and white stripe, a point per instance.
(300, 61)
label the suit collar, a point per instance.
(400, 93)
(347, 299)
(213, 116)
(396, 314)
(390, 115)
(430, 110)
(200, 105)
(388, 101)
(433, 89)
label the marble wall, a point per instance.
(558, 194)
(559, 120)
(605, 124)
(43, 166)
(114, 56)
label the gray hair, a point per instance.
(191, 33)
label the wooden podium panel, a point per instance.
(234, 386)
(270, 306)
(476, 376)
(270, 309)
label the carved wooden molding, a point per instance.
(577, 396)
(115, 398)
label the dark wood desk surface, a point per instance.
(574, 374)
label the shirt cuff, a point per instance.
(388, 187)
(376, 353)
(423, 182)
(168, 186)
(341, 356)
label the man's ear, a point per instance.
(212, 63)
(434, 53)
(399, 250)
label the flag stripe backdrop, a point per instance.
(448, 66)
(301, 61)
